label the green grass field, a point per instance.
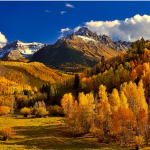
(46, 133)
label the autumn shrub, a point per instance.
(98, 133)
(25, 111)
(78, 123)
(75, 127)
(77, 115)
(41, 112)
(4, 110)
(22, 101)
(8, 101)
(7, 133)
(138, 141)
(56, 110)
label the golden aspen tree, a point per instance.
(127, 123)
(90, 102)
(133, 75)
(143, 127)
(69, 104)
(103, 112)
(115, 126)
(141, 97)
(130, 91)
(123, 100)
(114, 100)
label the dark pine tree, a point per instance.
(76, 82)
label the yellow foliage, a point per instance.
(41, 112)
(7, 133)
(114, 100)
(97, 132)
(25, 111)
(4, 110)
(69, 104)
(123, 100)
(139, 140)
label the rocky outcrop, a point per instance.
(116, 45)
(14, 55)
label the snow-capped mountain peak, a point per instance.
(25, 49)
(89, 36)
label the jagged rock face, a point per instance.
(104, 39)
(92, 38)
(84, 31)
(116, 45)
(25, 49)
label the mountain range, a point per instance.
(80, 49)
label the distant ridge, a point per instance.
(20, 50)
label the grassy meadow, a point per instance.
(45, 134)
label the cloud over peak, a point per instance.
(69, 5)
(129, 29)
(63, 30)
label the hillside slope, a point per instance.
(32, 74)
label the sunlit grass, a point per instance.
(46, 133)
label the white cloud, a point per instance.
(63, 12)
(77, 28)
(47, 11)
(1, 45)
(63, 30)
(129, 29)
(2, 38)
(69, 5)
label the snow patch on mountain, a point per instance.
(26, 49)
(87, 39)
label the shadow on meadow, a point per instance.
(55, 137)
(44, 137)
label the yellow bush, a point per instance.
(78, 123)
(97, 132)
(56, 110)
(4, 110)
(138, 141)
(41, 112)
(7, 133)
(25, 111)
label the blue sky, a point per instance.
(43, 21)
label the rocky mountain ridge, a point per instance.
(22, 50)
(81, 48)
(103, 39)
